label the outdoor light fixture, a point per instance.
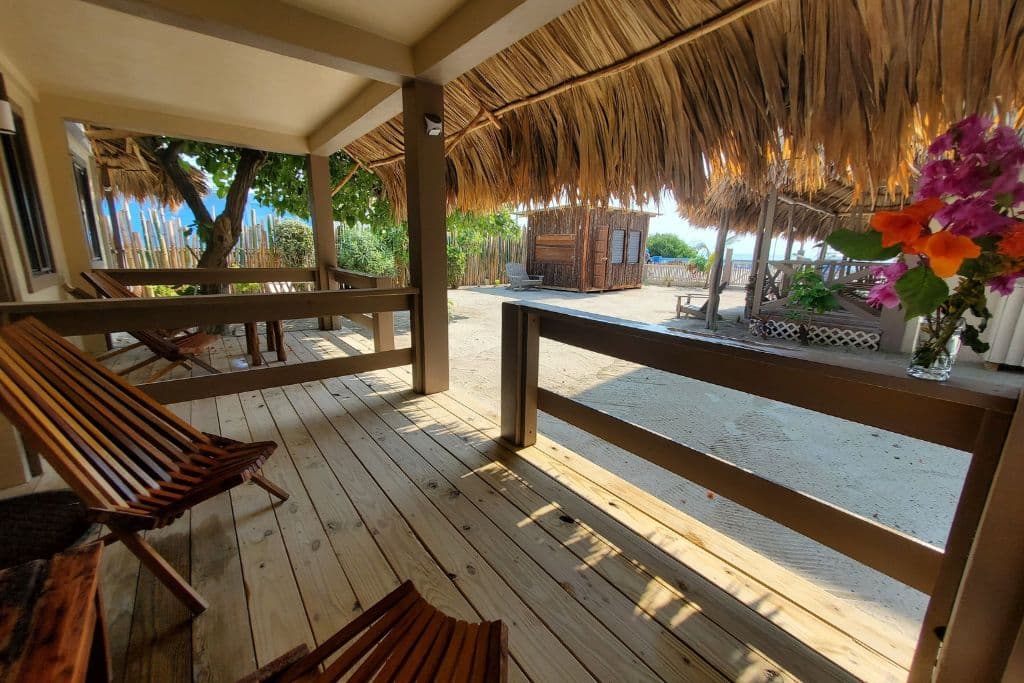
(433, 123)
(6, 113)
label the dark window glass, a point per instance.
(25, 198)
(618, 245)
(85, 206)
(633, 247)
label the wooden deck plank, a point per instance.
(536, 649)
(329, 599)
(279, 621)
(690, 548)
(657, 600)
(119, 582)
(601, 650)
(222, 643)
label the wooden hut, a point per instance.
(587, 249)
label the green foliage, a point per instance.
(808, 292)
(456, 265)
(246, 288)
(471, 230)
(670, 246)
(293, 239)
(863, 246)
(364, 250)
(282, 184)
(921, 291)
(700, 262)
(175, 290)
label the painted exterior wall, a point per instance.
(587, 250)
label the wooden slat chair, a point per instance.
(403, 638)
(519, 279)
(135, 464)
(696, 311)
(177, 347)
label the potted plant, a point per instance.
(809, 295)
(964, 230)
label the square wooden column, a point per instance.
(321, 208)
(425, 188)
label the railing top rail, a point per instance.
(868, 392)
(206, 276)
(115, 315)
(355, 278)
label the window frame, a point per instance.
(639, 241)
(620, 253)
(47, 276)
(87, 207)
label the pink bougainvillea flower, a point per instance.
(973, 217)
(970, 134)
(884, 294)
(946, 252)
(1003, 284)
(891, 272)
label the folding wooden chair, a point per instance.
(404, 638)
(135, 464)
(178, 347)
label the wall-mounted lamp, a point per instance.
(6, 113)
(433, 124)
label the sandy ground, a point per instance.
(904, 483)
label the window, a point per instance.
(618, 245)
(24, 194)
(633, 247)
(85, 207)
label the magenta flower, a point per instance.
(891, 272)
(1003, 284)
(884, 294)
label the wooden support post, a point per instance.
(520, 351)
(790, 235)
(425, 189)
(115, 226)
(761, 256)
(984, 460)
(987, 613)
(711, 317)
(321, 208)
(383, 323)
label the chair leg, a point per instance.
(269, 486)
(163, 571)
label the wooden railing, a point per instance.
(958, 415)
(382, 324)
(103, 316)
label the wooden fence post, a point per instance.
(383, 323)
(425, 190)
(520, 351)
(321, 209)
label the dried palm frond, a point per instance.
(855, 85)
(134, 172)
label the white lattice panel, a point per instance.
(816, 334)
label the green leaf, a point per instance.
(863, 246)
(921, 291)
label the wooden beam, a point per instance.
(192, 388)
(102, 110)
(477, 30)
(891, 552)
(852, 389)
(761, 257)
(113, 315)
(321, 208)
(282, 28)
(717, 268)
(206, 276)
(425, 190)
(520, 357)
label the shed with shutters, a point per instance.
(587, 249)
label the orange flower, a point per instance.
(1012, 244)
(907, 225)
(946, 252)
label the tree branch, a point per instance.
(169, 159)
(249, 163)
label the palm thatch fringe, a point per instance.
(850, 85)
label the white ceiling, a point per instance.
(75, 48)
(404, 21)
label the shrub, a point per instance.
(456, 265)
(669, 246)
(293, 240)
(700, 262)
(362, 250)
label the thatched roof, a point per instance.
(814, 214)
(134, 172)
(574, 112)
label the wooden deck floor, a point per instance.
(595, 578)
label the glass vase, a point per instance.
(938, 343)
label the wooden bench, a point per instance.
(51, 620)
(135, 464)
(691, 311)
(404, 638)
